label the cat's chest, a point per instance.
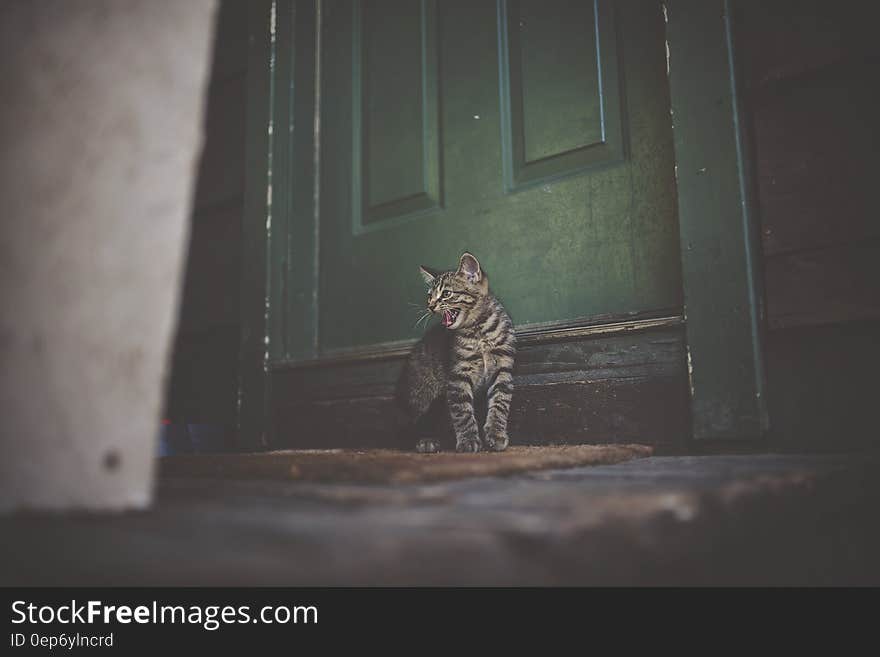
(479, 352)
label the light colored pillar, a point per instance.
(100, 131)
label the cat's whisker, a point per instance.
(419, 320)
(418, 308)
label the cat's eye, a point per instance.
(447, 294)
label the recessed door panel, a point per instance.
(395, 129)
(560, 96)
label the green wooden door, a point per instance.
(538, 135)
(534, 133)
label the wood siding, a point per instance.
(811, 88)
(811, 74)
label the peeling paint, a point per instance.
(272, 21)
(666, 41)
(266, 305)
(269, 170)
(690, 371)
(269, 206)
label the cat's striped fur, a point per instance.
(469, 356)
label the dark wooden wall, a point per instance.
(203, 381)
(810, 78)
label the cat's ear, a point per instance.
(469, 267)
(428, 274)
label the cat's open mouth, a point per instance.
(449, 317)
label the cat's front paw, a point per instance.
(496, 441)
(428, 446)
(471, 445)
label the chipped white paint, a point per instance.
(266, 305)
(667, 58)
(690, 363)
(269, 206)
(272, 21)
(269, 168)
(666, 41)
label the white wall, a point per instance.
(100, 130)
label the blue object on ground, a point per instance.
(174, 439)
(208, 438)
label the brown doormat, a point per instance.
(389, 466)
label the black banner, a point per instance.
(155, 620)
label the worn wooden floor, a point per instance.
(768, 519)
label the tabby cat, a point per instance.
(464, 362)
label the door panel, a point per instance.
(535, 134)
(560, 98)
(564, 75)
(395, 119)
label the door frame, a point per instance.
(718, 229)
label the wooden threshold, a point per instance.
(527, 335)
